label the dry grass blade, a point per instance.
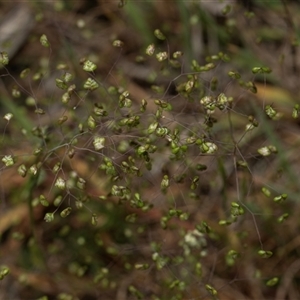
(15, 28)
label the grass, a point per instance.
(162, 189)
